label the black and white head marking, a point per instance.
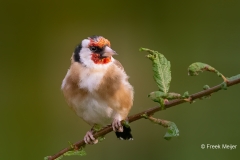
(76, 56)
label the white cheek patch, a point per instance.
(85, 56)
(85, 43)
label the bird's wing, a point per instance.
(117, 63)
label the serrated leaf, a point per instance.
(161, 69)
(198, 67)
(172, 131)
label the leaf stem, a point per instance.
(161, 122)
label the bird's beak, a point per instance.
(108, 52)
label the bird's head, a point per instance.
(94, 50)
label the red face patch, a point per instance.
(99, 42)
(97, 60)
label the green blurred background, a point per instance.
(37, 39)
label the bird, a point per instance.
(97, 89)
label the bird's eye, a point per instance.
(93, 48)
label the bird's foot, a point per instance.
(117, 126)
(89, 139)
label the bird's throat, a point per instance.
(100, 60)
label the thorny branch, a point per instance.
(148, 112)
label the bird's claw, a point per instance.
(117, 126)
(89, 139)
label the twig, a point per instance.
(148, 112)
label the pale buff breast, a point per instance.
(98, 96)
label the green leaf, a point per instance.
(234, 77)
(160, 97)
(161, 69)
(46, 158)
(80, 152)
(101, 138)
(172, 131)
(59, 158)
(97, 127)
(185, 95)
(173, 95)
(156, 96)
(198, 67)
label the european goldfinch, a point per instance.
(96, 87)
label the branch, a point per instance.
(148, 112)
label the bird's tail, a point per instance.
(125, 135)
